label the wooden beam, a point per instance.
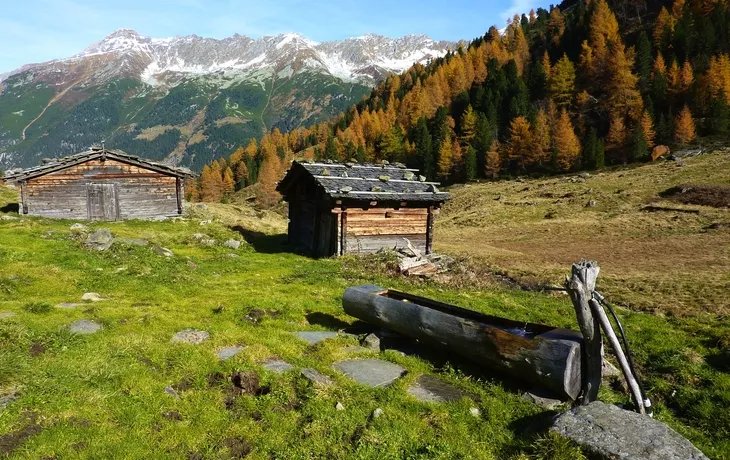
(343, 233)
(24, 196)
(429, 231)
(179, 192)
(580, 287)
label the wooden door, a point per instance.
(101, 202)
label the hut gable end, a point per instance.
(340, 208)
(101, 184)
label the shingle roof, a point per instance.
(366, 181)
(57, 164)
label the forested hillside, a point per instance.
(583, 85)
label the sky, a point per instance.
(41, 30)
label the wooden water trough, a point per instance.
(547, 356)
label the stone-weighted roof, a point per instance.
(57, 164)
(365, 181)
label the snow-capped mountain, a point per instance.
(158, 61)
(189, 99)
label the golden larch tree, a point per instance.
(566, 143)
(541, 139)
(647, 124)
(617, 136)
(520, 148)
(229, 183)
(445, 160)
(684, 127)
(561, 83)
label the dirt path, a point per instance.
(54, 99)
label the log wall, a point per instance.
(369, 230)
(140, 193)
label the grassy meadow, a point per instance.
(103, 395)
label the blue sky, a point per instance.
(41, 30)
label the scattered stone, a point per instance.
(609, 370)
(69, 305)
(584, 175)
(314, 337)
(199, 236)
(543, 398)
(91, 297)
(100, 240)
(228, 352)
(79, 228)
(580, 180)
(191, 336)
(8, 218)
(84, 327)
(377, 412)
(231, 255)
(591, 204)
(232, 244)
(609, 432)
(207, 241)
(339, 406)
(172, 415)
(371, 341)
(248, 382)
(171, 391)
(8, 398)
(316, 377)
(277, 366)
(163, 251)
(474, 411)
(205, 222)
(6, 314)
(371, 372)
(133, 241)
(431, 389)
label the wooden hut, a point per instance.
(101, 184)
(337, 209)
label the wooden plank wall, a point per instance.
(142, 193)
(372, 229)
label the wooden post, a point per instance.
(599, 313)
(343, 232)
(429, 231)
(179, 193)
(24, 196)
(580, 287)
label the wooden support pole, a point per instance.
(580, 286)
(599, 313)
(429, 230)
(343, 232)
(179, 194)
(24, 196)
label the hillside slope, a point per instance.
(674, 261)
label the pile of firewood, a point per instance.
(413, 262)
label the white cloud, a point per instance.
(517, 7)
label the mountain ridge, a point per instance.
(189, 99)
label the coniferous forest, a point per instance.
(583, 85)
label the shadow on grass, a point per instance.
(11, 208)
(263, 243)
(328, 321)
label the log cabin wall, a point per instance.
(140, 193)
(368, 230)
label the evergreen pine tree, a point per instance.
(482, 142)
(589, 150)
(639, 149)
(644, 62)
(424, 150)
(330, 150)
(470, 164)
(600, 155)
(719, 114)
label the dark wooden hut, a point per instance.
(336, 209)
(101, 184)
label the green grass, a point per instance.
(102, 395)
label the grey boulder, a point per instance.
(99, 240)
(609, 432)
(371, 372)
(84, 327)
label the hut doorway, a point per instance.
(102, 201)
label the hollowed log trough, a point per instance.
(547, 356)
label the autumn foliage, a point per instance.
(546, 95)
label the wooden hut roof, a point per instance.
(365, 181)
(57, 164)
